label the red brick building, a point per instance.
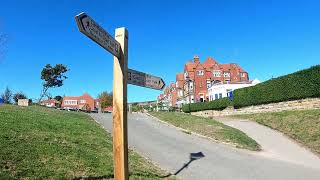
(192, 85)
(199, 77)
(84, 102)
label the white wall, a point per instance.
(222, 89)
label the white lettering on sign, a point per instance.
(144, 80)
(91, 29)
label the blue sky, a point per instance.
(267, 38)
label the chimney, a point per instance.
(196, 59)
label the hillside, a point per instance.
(42, 143)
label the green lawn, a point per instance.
(303, 126)
(209, 128)
(42, 143)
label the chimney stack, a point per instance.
(196, 59)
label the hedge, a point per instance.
(219, 104)
(298, 85)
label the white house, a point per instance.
(221, 90)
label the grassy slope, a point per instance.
(43, 143)
(208, 127)
(303, 126)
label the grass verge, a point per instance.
(42, 143)
(302, 126)
(209, 128)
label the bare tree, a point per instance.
(7, 96)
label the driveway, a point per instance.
(170, 149)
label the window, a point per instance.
(82, 101)
(208, 83)
(200, 72)
(216, 73)
(216, 96)
(70, 102)
(243, 74)
(226, 74)
(220, 95)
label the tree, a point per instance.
(7, 96)
(105, 99)
(53, 77)
(60, 99)
(19, 95)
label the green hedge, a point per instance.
(212, 105)
(298, 85)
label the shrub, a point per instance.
(219, 104)
(298, 85)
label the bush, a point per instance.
(219, 104)
(298, 85)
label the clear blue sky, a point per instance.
(267, 38)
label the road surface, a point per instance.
(273, 143)
(170, 149)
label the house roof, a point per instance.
(50, 101)
(77, 97)
(209, 62)
(179, 77)
(189, 66)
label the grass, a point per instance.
(209, 128)
(302, 126)
(42, 143)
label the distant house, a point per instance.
(84, 102)
(108, 109)
(24, 102)
(50, 103)
(221, 89)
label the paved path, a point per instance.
(171, 148)
(274, 144)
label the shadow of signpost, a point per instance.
(193, 157)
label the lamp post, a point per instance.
(188, 83)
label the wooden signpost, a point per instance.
(118, 46)
(145, 80)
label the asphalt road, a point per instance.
(170, 149)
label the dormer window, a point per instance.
(200, 72)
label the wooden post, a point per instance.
(120, 132)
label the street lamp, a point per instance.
(188, 83)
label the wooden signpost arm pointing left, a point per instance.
(120, 133)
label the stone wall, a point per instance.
(309, 103)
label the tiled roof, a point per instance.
(179, 77)
(189, 66)
(209, 62)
